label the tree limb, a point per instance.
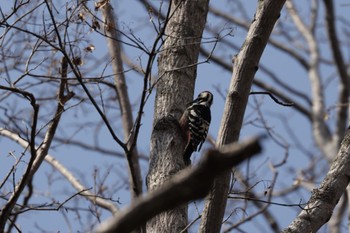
(187, 185)
(321, 131)
(278, 45)
(324, 199)
(112, 32)
(342, 110)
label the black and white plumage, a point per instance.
(195, 123)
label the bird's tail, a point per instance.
(187, 154)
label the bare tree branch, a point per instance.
(290, 104)
(313, 16)
(342, 110)
(324, 199)
(26, 178)
(268, 71)
(189, 184)
(66, 173)
(321, 131)
(261, 210)
(262, 85)
(278, 45)
(89, 147)
(61, 47)
(111, 30)
(40, 152)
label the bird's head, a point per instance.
(205, 98)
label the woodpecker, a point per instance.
(195, 123)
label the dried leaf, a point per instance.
(90, 48)
(81, 16)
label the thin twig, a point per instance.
(272, 97)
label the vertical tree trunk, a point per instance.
(245, 66)
(177, 74)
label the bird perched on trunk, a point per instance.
(195, 123)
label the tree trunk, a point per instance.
(177, 74)
(245, 66)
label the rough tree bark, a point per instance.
(177, 74)
(245, 66)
